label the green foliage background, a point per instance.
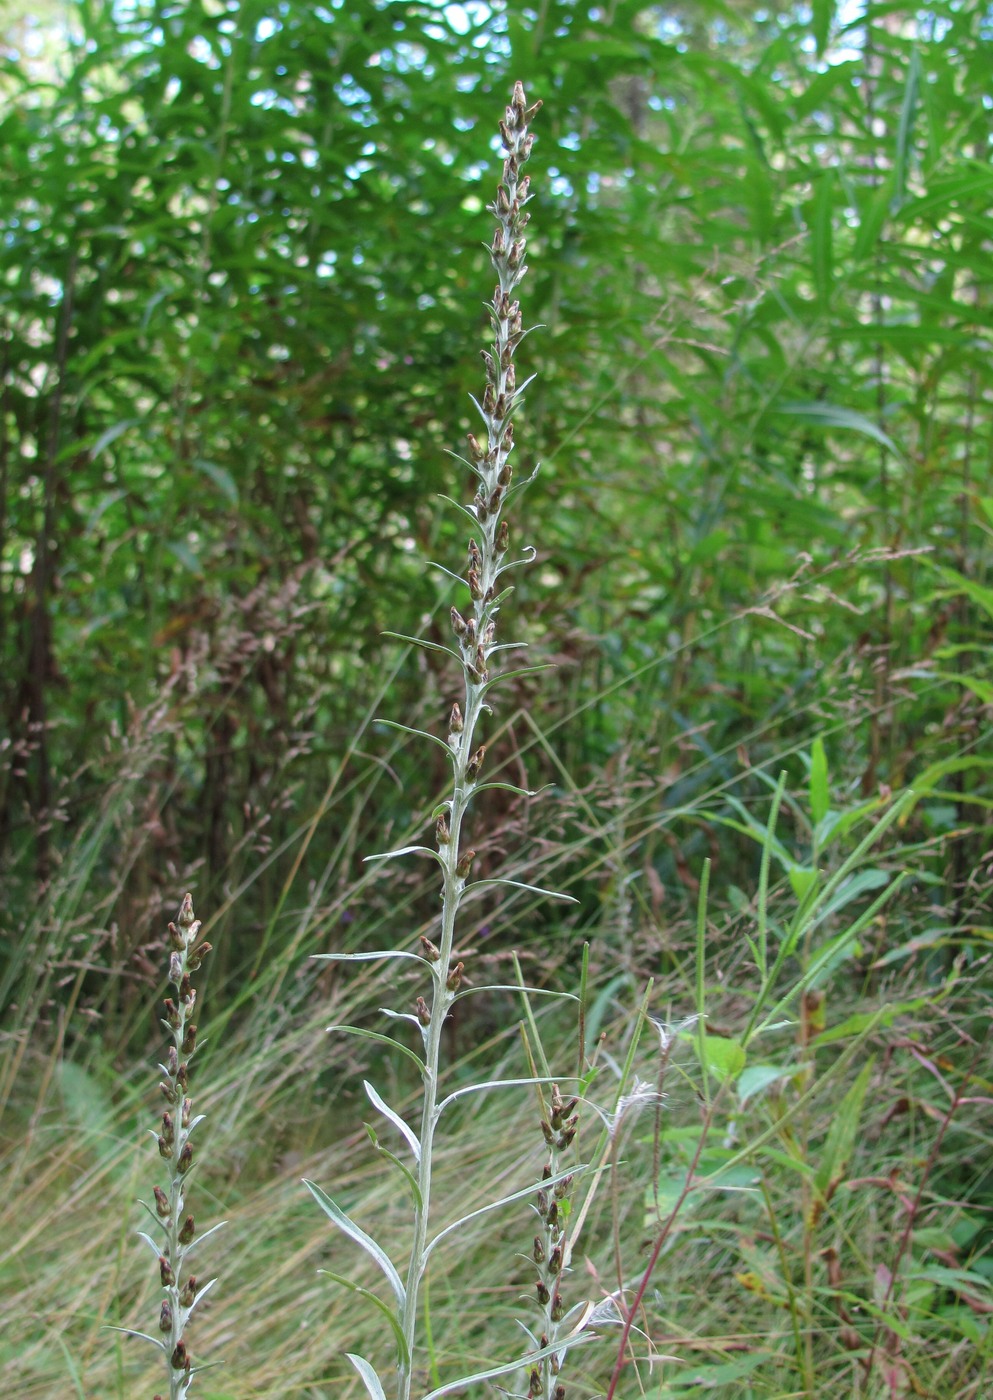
(242, 272)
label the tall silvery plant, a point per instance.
(474, 625)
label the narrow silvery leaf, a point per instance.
(383, 1040)
(130, 1332)
(355, 1232)
(384, 1308)
(533, 889)
(398, 1123)
(405, 851)
(418, 733)
(524, 1193)
(425, 646)
(370, 1380)
(378, 955)
(464, 1382)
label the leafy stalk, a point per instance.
(475, 635)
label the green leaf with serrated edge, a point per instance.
(377, 1302)
(383, 1040)
(370, 1379)
(425, 645)
(417, 733)
(369, 957)
(404, 1129)
(405, 851)
(521, 1195)
(532, 889)
(575, 1339)
(837, 1148)
(820, 798)
(355, 1232)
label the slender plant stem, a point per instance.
(476, 637)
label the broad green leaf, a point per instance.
(756, 1078)
(905, 129)
(820, 796)
(725, 1058)
(823, 237)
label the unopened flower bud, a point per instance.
(555, 1260)
(538, 1252)
(190, 1039)
(182, 1077)
(171, 1013)
(180, 1357)
(185, 1159)
(423, 1011)
(165, 1317)
(166, 1274)
(455, 721)
(176, 940)
(430, 950)
(186, 1230)
(542, 1293)
(475, 448)
(185, 916)
(458, 622)
(441, 831)
(168, 1132)
(454, 979)
(465, 864)
(475, 763)
(558, 1307)
(161, 1202)
(197, 956)
(188, 1291)
(175, 968)
(489, 364)
(475, 587)
(503, 538)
